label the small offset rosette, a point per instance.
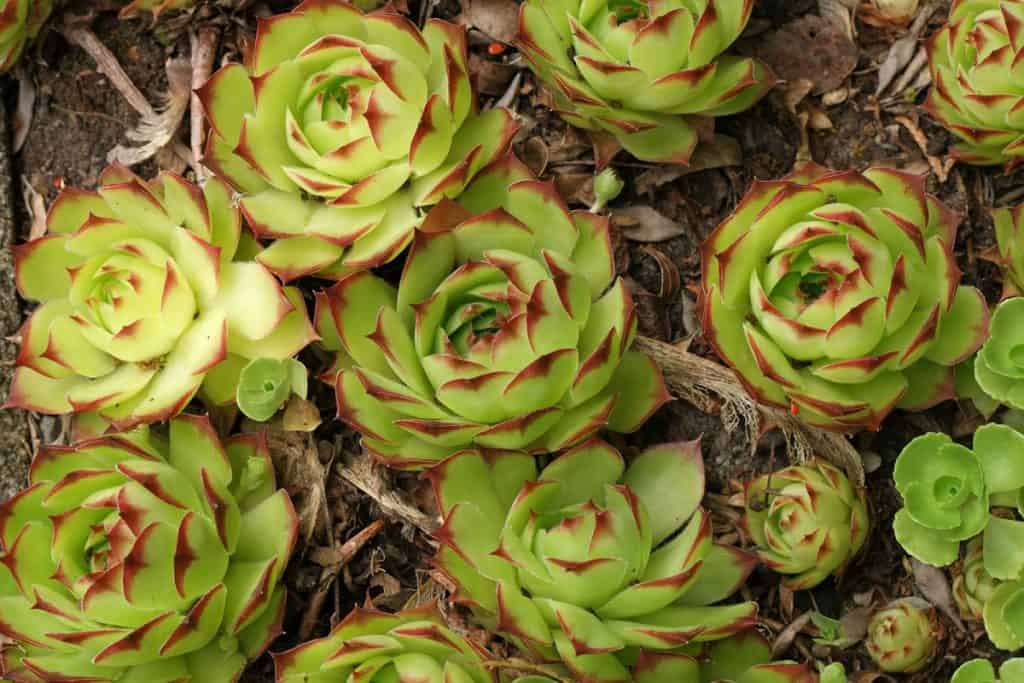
(340, 126)
(977, 66)
(836, 295)
(649, 72)
(145, 300)
(508, 329)
(591, 559)
(137, 560)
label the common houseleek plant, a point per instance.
(836, 295)
(592, 557)
(902, 637)
(649, 72)
(507, 330)
(374, 647)
(20, 22)
(808, 521)
(982, 671)
(134, 559)
(973, 585)
(340, 126)
(977, 66)
(143, 303)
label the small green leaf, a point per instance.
(265, 384)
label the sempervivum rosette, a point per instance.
(836, 295)
(20, 22)
(808, 521)
(340, 126)
(646, 71)
(143, 304)
(592, 558)
(506, 331)
(977, 65)
(374, 647)
(903, 637)
(137, 560)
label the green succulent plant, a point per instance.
(982, 671)
(20, 22)
(649, 72)
(265, 384)
(375, 647)
(975, 62)
(835, 295)
(1009, 227)
(903, 636)
(808, 521)
(1001, 613)
(973, 585)
(947, 491)
(136, 560)
(744, 658)
(144, 302)
(999, 365)
(340, 126)
(590, 558)
(507, 330)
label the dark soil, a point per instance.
(78, 117)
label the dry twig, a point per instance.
(204, 50)
(712, 387)
(365, 476)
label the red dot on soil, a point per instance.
(794, 409)
(495, 49)
(59, 183)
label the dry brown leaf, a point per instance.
(934, 586)
(301, 473)
(499, 19)
(902, 51)
(788, 634)
(366, 476)
(36, 208)
(645, 224)
(854, 623)
(157, 131)
(23, 112)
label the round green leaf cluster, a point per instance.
(982, 671)
(999, 365)
(373, 647)
(136, 560)
(836, 295)
(746, 658)
(808, 521)
(976, 64)
(590, 558)
(507, 330)
(1009, 227)
(20, 22)
(902, 637)
(339, 126)
(147, 297)
(644, 71)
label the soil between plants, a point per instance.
(78, 117)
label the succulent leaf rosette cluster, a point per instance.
(591, 558)
(646, 71)
(375, 647)
(973, 585)
(982, 671)
(507, 330)
(20, 22)
(902, 637)
(340, 126)
(744, 658)
(977, 67)
(808, 521)
(836, 295)
(136, 560)
(142, 303)
(999, 364)
(1009, 227)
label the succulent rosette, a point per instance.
(947, 491)
(507, 330)
(977, 64)
(836, 295)
(999, 365)
(20, 22)
(340, 126)
(808, 521)
(903, 636)
(973, 585)
(142, 302)
(744, 658)
(134, 559)
(982, 671)
(1001, 613)
(591, 558)
(1009, 227)
(374, 647)
(649, 72)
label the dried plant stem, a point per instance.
(365, 476)
(713, 388)
(108, 65)
(204, 50)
